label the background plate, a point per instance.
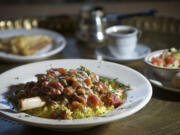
(57, 46)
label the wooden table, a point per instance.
(161, 116)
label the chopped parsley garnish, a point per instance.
(27, 115)
(82, 67)
(88, 72)
(121, 85)
(17, 78)
(9, 97)
(110, 81)
(103, 79)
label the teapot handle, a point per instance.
(118, 16)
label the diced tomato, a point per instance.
(81, 99)
(88, 81)
(76, 84)
(170, 60)
(80, 87)
(52, 92)
(76, 105)
(61, 70)
(59, 114)
(68, 78)
(115, 100)
(69, 91)
(98, 83)
(54, 114)
(56, 85)
(158, 61)
(74, 79)
(102, 85)
(94, 101)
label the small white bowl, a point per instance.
(166, 73)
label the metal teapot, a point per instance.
(92, 25)
(93, 21)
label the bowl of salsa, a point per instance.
(164, 63)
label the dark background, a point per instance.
(74, 1)
(23, 8)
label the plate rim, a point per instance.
(18, 58)
(93, 123)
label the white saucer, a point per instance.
(156, 81)
(140, 52)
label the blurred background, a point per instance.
(18, 8)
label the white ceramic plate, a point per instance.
(58, 44)
(136, 98)
(140, 52)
